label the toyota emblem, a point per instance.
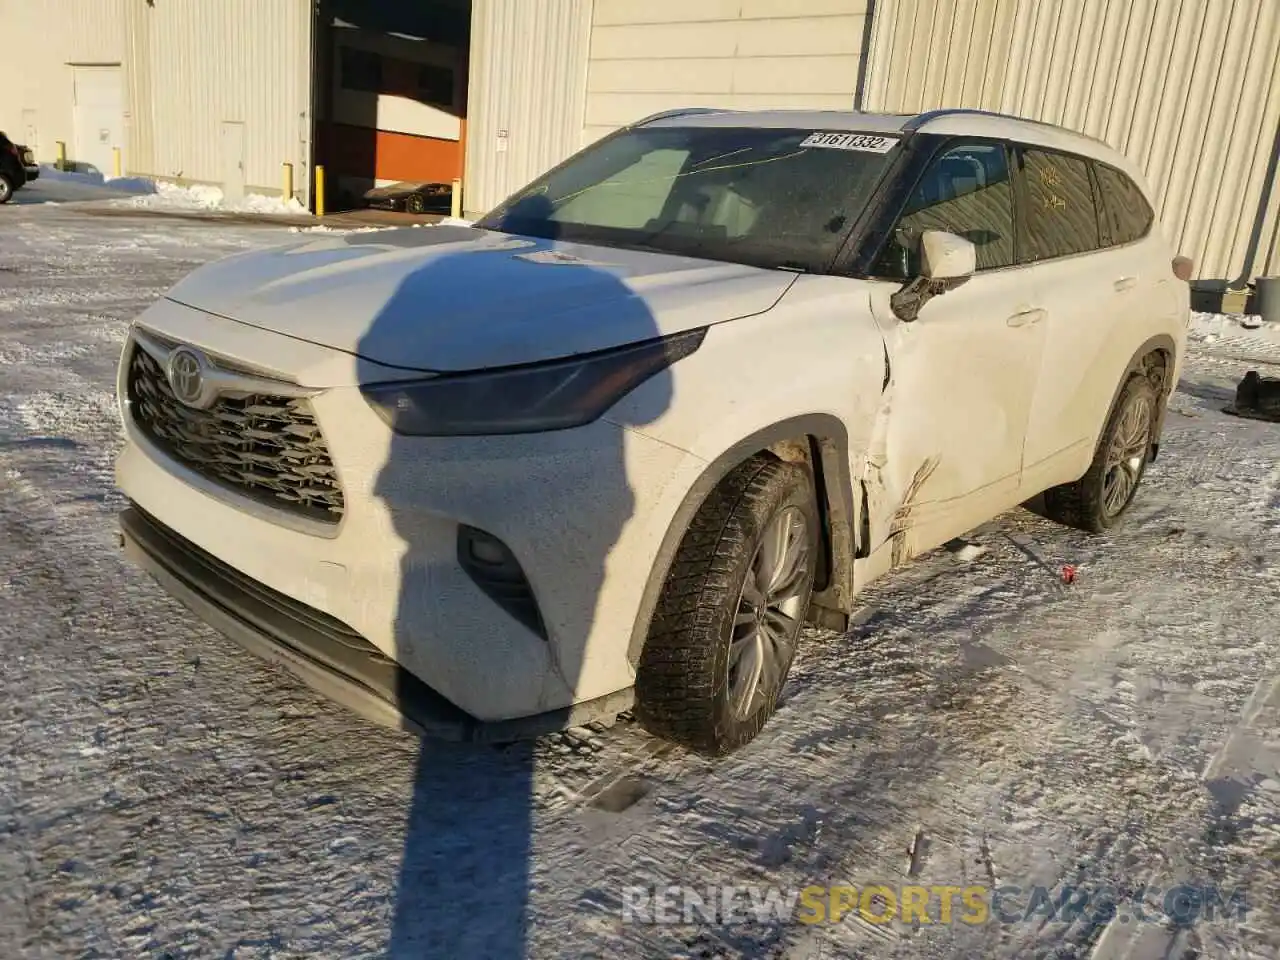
(186, 376)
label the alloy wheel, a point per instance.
(1126, 455)
(767, 619)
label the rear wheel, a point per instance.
(1098, 500)
(6, 187)
(725, 628)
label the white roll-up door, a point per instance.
(98, 115)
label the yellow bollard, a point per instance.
(117, 167)
(319, 190)
(455, 203)
(286, 182)
(61, 162)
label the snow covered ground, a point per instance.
(163, 794)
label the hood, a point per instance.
(458, 298)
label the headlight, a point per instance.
(525, 399)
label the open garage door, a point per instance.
(392, 79)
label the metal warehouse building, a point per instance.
(495, 91)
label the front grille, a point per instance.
(269, 448)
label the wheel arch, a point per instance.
(15, 179)
(821, 442)
(1164, 346)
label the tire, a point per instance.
(6, 188)
(415, 204)
(687, 689)
(1092, 503)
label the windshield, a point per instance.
(766, 197)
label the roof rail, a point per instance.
(920, 119)
(680, 112)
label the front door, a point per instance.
(947, 448)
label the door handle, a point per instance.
(1126, 283)
(1025, 318)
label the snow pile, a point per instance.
(169, 196)
(147, 194)
(51, 174)
(1211, 327)
(144, 193)
(322, 228)
(325, 228)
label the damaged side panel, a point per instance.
(945, 449)
(888, 493)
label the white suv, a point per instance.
(610, 446)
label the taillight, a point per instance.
(1183, 268)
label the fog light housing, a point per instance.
(494, 569)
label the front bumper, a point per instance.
(33, 173)
(319, 650)
(583, 511)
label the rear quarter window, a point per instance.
(1126, 215)
(1061, 217)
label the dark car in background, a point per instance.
(17, 167)
(408, 197)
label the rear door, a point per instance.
(1084, 292)
(1144, 259)
(947, 449)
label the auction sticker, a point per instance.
(862, 142)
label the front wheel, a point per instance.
(724, 632)
(1098, 500)
(6, 188)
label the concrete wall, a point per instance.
(394, 112)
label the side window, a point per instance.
(966, 191)
(1061, 217)
(1126, 215)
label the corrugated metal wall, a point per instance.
(1191, 91)
(526, 90)
(38, 42)
(652, 55)
(138, 118)
(197, 64)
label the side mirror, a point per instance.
(946, 261)
(946, 256)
